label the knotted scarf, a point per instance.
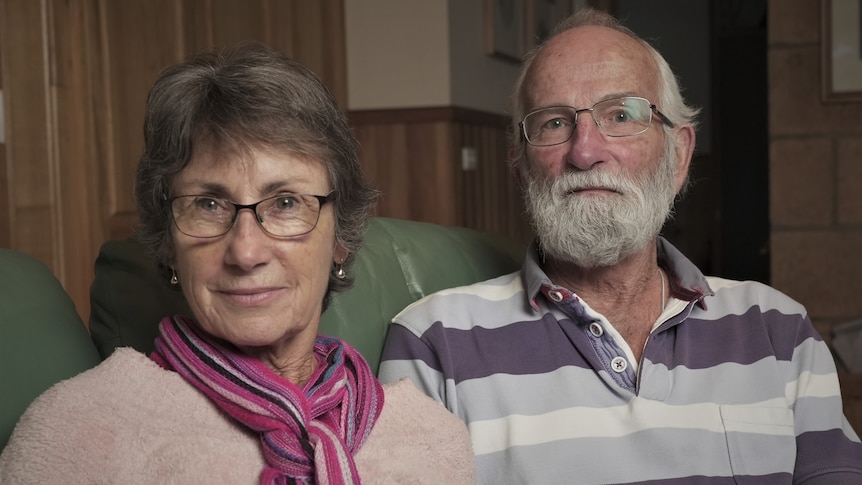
(308, 435)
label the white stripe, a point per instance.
(495, 435)
(507, 286)
(815, 385)
(343, 457)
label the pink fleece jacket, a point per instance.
(130, 421)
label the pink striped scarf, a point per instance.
(308, 435)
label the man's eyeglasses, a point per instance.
(283, 215)
(618, 117)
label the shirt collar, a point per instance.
(687, 282)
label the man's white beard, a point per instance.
(599, 230)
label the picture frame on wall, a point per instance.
(541, 18)
(841, 56)
(504, 29)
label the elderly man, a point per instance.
(610, 358)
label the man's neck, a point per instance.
(628, 294)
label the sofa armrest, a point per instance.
(42, 339)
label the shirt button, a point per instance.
(619, 364)
(596, 329)
(556, 295)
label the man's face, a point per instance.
(594, 199)
(599, 231)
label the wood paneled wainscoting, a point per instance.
(420, 160)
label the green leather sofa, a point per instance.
(42, 340)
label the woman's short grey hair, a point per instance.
(247, 97)
(670, 100)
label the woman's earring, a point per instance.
(174, 279)
(340, 273)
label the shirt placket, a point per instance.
(607, 351)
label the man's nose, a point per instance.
(586, 142)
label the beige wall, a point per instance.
(815, 173)
(397, 53)
(438, 58)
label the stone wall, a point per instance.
(815, 173)
(815, 181)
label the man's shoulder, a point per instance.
(462, 302)
(737, 296)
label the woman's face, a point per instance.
(260, 292)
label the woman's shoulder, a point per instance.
(416, 440)
(117, 378)
(127, 419)
(109, 393)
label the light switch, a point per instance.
(469, 159)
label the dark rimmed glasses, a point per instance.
(285, 215)
(617, 117)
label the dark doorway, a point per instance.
(717, 48)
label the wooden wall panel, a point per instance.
(71, 137)
(235, 21)
(5, 206)
(28, 200)
(75, 106)
(127, 58)
(5, 203)
(314, 34)
(414, 156)
(490, 194)
(384, 155)
(431, 165)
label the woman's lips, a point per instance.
(250, 296)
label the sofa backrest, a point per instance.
(400, 262)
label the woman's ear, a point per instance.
(340, 253)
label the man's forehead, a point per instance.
(579, 63)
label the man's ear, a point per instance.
(685, 138)
(515, 162)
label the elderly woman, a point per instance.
(251, 195)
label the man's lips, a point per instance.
(582, 190)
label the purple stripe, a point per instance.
(832, 449)
(528, 347)
(743, 339)
(538, 346)
(772, 479)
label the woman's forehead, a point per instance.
(259, 167)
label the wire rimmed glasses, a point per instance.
(285, 215)
(617, 117)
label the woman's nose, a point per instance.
(248, 242)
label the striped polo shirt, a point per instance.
(734, 386)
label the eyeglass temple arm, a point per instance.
(661, 116)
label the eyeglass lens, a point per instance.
(282, 215)
(617, 117)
